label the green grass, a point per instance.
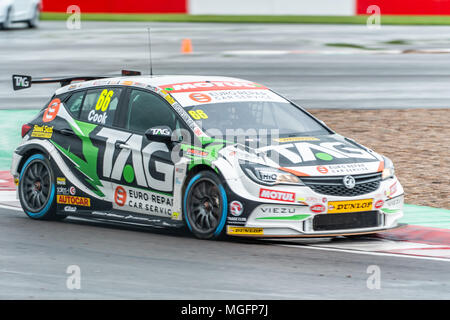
(385, 19)
(10, 126)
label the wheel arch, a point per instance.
(28, 151)
(198, 168)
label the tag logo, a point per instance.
(21, 82)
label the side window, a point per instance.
(100, 105)
(73, 104)
(147, 110)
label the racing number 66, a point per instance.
(104, 100)
(198, 114)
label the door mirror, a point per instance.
(160, 134)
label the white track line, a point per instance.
(364, 252)
(11, 207)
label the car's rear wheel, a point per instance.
(34, 21)
(8, 20)
(205, 206)
(37, 189)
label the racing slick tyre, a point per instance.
(205, 206)
(37, 189)
(34, 21)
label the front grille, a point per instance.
(351, 220)
(334, 186)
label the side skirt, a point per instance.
(127, 218)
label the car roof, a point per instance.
(146, 80)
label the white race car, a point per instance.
(12, 11)
(218, 155)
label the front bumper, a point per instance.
(305, 213)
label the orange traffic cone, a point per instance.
(186, 46)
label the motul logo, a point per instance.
(211, 85)
(277, 195)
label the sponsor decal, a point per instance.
(296, 139)
(143, 201)
(278, 210)
(244, 231)
(277, 195)
(52, 110)
(21, 82)
(62, 190)
(61, 181)
(160, 131)
(317, 208)
(198, 132)
(42, 132)
(197, 153)
(102, 106)
(70, 209)
(347, 168)
(379, 204)
(392, 190)
(337, 151)
(200, 97)
(211, 86)
(237, 220)
(72, 190)
(396, 202)
(175, 215)
(350, 206)
(236, 208)
(148, 172)
(120, 196)
(71, 200)
(322, 169)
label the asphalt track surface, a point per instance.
(117, 262)
(295, 60)
(136, 263)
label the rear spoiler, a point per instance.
(24, 82)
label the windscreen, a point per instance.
(248, 116)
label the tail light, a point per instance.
(25, 129)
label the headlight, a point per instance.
(388, 171)
(268, 175)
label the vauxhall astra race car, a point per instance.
(218, 155)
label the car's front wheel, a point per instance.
(205, 206)
(37, 189)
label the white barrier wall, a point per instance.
(273, 7)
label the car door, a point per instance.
(86, 143)
(147, 183)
